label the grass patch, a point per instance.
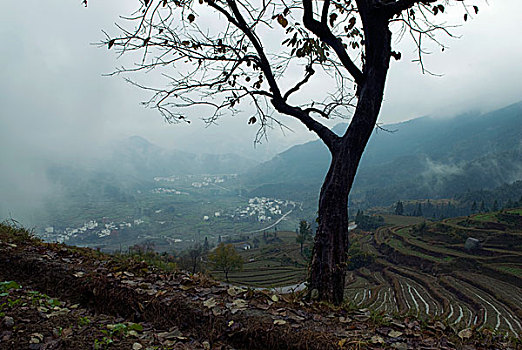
(11, 231)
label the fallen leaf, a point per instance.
(400, 346)
(233, 291)
(210, 303)
(217, 311)
(465, 333)
(440, 325)
(36, 338)
(67, 332)
(377, 339)
(394, 334)
(175, 334)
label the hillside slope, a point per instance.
(184, 311)
(423, 157)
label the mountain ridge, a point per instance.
(415, 147)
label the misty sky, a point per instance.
(54, 98)
(55, 104)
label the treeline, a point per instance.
(428, 209)
(368, 222)
(468, 203)
(502, 197)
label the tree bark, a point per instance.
(328, 267)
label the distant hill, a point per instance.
(423, 157)
(135, 161)
(139, 157)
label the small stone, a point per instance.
(137, 346)
(8, 321)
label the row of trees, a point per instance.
(451, 209)
(496, 205)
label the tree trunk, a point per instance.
(328, 268)
(327, 273)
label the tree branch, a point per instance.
(393, 8)
(329, 138)
(309, 72)
(278, 101)
(322, 31)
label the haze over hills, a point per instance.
(422, 158)
(143, 159)
(113, 173)
(132, 164)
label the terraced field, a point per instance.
(425, 270)
(275, 263)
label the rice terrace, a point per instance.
(426, 269)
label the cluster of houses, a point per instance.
(167, 190)
(196, 181)
(92, 227)
(167, 179)
(262, 209)
(217, 214)
(207, 180)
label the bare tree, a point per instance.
(218, 55)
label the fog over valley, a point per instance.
(250, 174)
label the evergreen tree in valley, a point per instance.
(399, 208)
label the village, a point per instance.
(196, 181)
(91, 227)
(263, 209)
